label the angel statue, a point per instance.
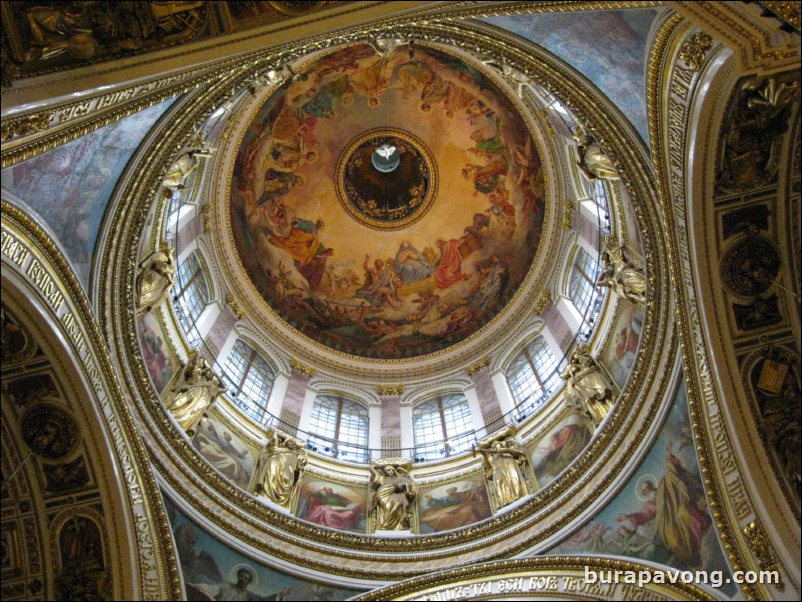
(592, 161)
(155, 278)
(586, 388)
(393, 497)
(280, 467)
(505, 471)
(621, 275)
(196, 388)
(185, 164)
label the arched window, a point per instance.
(339, 427)
(442, 426)
(191, 296)
(533, 376)
(251, 378)
(598, 204)
(178, 208)
(582, 282)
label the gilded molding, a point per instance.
(788, 11)
(760, 546)
(28, 124)
(78, 119)
(668, 96)
(752, 44)
(554, 577)
(693, 52)
(119, 419)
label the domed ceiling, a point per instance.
(387, 205)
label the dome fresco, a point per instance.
(387, 206)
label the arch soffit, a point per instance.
(682, 186)
(45, 295)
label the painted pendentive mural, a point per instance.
(607, 47)
(559, 447)
(70, 186)
(661, 514)
(352, 254)
(453, 506)
(225, 451)
(213, 571)
(333, 505)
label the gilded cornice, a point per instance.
(788, 11)
(73, 120)
(554, 577)
(757, 43)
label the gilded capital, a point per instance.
(235, 307)
(542, 302)
(482, 363)
(206, 214)
(389, 390)
(568, 214)
(302, 368)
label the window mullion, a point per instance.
(534, 369)
(188, 283)
(338, 420)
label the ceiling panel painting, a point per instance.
(387, 206)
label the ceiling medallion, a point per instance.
(386, 179)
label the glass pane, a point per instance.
(524, 385)
(431, 442)
(581, 287)
(252, 393)
(193, 297)
(351, 440)
(546, 365)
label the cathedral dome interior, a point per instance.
(429, 300)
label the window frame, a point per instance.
(188, 320)
(452, 437)
(251, 360)
(335, 441)
(546, 374)
(582, 289)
